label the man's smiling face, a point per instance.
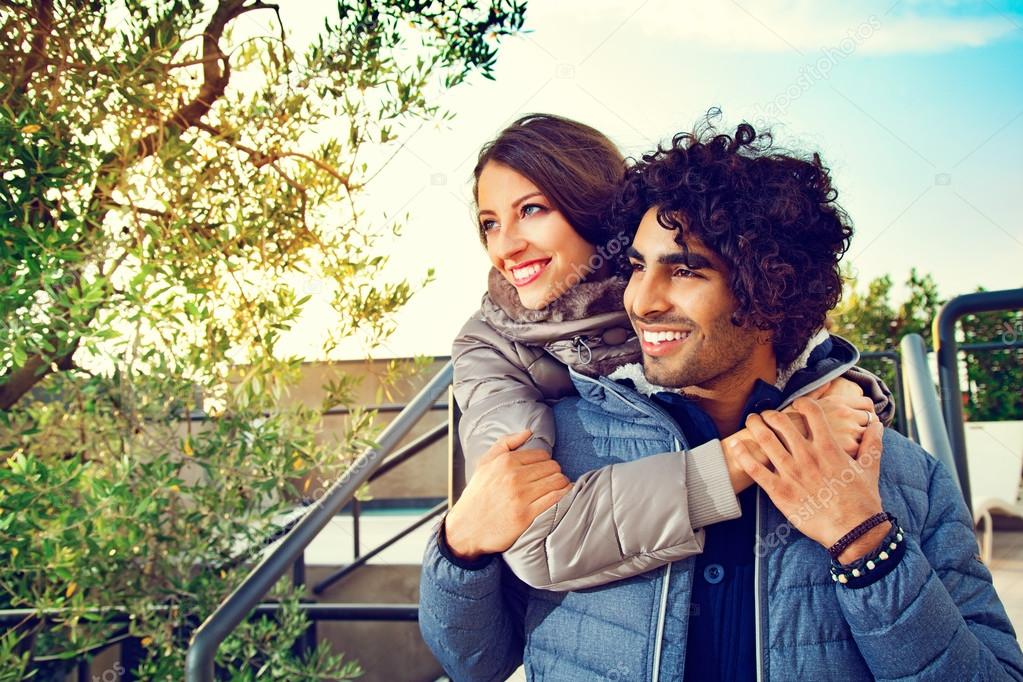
(681, 307)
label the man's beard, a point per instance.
(719, 352)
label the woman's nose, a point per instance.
(506, 242)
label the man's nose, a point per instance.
(648, 297)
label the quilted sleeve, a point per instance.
(936, 616)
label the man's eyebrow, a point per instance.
(693, 261)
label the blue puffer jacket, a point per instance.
(936, 617)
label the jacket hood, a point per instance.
(586, 328)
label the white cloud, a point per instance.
(879, 27)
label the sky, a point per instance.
(917, 108)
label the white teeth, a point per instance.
(661, 337)
(521, 274)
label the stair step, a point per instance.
(335, 545)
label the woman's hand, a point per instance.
(846, 410)
(509, 489)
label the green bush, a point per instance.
(873, 322)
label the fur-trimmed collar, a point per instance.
(801, 361)
(582, 301)
(586, 328)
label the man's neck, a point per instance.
(725, 400)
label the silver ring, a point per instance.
(870, 416)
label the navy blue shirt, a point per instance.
(721, 644)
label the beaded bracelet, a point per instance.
(859, 531)
(873, 566)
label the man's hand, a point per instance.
(845, 410)
(820, 490)
(509, 489)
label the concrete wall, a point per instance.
(425, 475)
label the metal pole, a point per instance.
(439, 432)
(356, 516)
(199, 661)
(946, 347)
(923, 401)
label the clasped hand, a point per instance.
(821, 490)
(509, 489)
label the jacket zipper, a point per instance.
(655, 676)
(651, 410)
(758, 609)
(663, 610)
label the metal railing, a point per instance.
(946, 347)
(923, 410)
(199, 662)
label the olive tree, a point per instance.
(167, 174)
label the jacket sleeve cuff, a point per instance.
(708, 487)
(476, 564)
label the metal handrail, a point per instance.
(315, 612)
(946, 347)
(923, 409)
(382, 408)
(362, 560)
(199, 662)
(435, 434)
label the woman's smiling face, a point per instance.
(528, 240)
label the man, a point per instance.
(734, 267)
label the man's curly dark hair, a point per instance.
(772, 216)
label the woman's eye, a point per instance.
(488, 225)
(531, 209)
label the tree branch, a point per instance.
(20, 380)
(36, 57)
(260, 159)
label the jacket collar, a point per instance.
(826, 357)
(586, 328)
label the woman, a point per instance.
(554, 302)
